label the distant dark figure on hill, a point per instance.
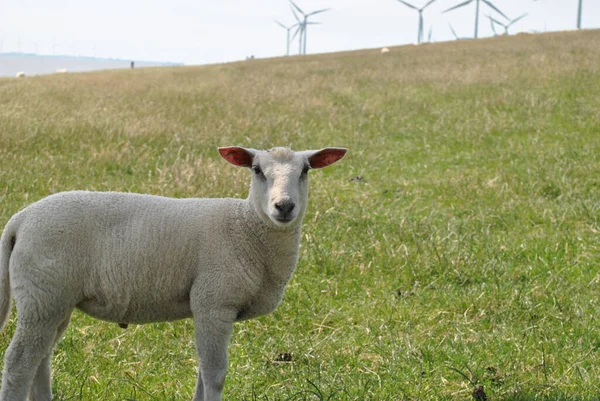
(132, 64)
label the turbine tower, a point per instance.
(303, 23)
(420, 10)
(300, 30)
(579, 8)
(288, 29)
(488, 3)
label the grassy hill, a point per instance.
(454, 252)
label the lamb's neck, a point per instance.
(274, 248)
(274, 237)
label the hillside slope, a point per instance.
(454, 250)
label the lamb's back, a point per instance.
(135, 254)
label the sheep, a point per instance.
(137, 258)
(62, 71)
(20, 74)
(384, 50)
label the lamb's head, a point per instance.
(279, 188)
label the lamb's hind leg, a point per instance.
(41, 390)
(31, 344)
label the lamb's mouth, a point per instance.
(284, 219)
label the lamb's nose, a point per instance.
(285, 206)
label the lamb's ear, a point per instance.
(237, 156)
(325, 157)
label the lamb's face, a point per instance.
(279, 188)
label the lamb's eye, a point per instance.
(257, 170)
(305, 171)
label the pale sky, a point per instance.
(203, 31)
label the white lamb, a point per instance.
(132, 258)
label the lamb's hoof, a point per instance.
(123, 325)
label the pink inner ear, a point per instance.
(236, 156)
(325, 157)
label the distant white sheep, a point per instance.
(20, 74)
(62, 71)
(133, 258)
(385, 50)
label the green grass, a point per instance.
(456, 246)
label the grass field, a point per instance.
(454, 252)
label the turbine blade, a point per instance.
(492, 25)
(495, 8)
(408, 5)
(318, 11)
(458, 6)
(453, 31)
(430, 32)
(495, 20)
(298, 30)
(517, 19)
(427, 5)
(298, 19)
(297, 8)
(280, 24)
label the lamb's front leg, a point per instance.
(212, 333)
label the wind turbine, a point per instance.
(488, 3)
(420, 10)
(505, 26)
(303, 23)
(288, 29)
